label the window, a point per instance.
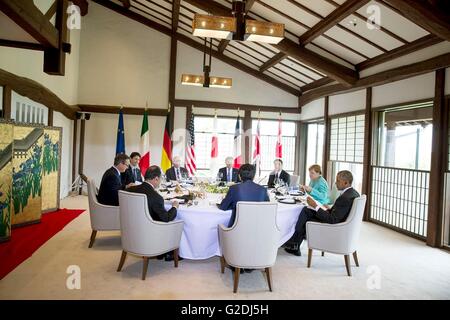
(314, 146)
(27, 110)
(268, 139)
(406, 138)
(347, 148)
(204, 127)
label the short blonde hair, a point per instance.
(316, 168)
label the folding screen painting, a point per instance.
(27, 174)
(51, 163)
(6, 151)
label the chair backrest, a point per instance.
(354, 220)
(295, 180)
(255, 235)
(92, 194)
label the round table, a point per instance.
(200, 238)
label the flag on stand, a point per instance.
(120, 143)
(279, 148)
(214, 148)
(190, 148)
(257, 151)
(166, 157)
(144, 145)
(237, 145)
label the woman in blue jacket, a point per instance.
(318, 186)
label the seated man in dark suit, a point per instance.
(176, 172)
(336, 214)
(155, 201)
(108, 193)
(245, 191)
(228, 173)
(278, 175)
(133, 173)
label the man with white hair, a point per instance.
(176, 172)
(228, 173)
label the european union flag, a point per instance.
(120, 144)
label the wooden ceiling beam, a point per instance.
(126, 4)
(175, 14)
(343, 11)
(426, 15)
(272, 61)
(334, 70)
(83, 5)
(396, 74)
(192, 43)
(32, 20)
(316, 84)
(411, 47)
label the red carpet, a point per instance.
(26, 240)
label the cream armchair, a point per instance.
(141, 235)
(252, 242)
(341, 238)
(103, 217)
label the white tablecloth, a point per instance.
(200, 238)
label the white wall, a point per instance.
(412, 89)
(246, 89)
(59, 120)
(347, 102)
(312, 110)
(122, 61)
(101, 135)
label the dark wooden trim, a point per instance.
(32, 20)
(396, 74)
(327, 135)
(50, 117)
(316, 84)
(126, 110)
(172, 80)
(426, 15)
(347, 114)
(83, 5)
(37, 92)
(367, 168)
(55, 59)
(223, 45)
(126, 3)
(331, 20)
(52, 10)
(334, 70)
(21, 45)
(272, 61)
(175, 14)
(247, 141)
(74, 150)
(438, 163)
(81, 152)
(7, 102)
(411, 47)
(232, 106)
(403, 104)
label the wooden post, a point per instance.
(74, 150)
(81, 155)
(367, 161)
(326, 144)
(7, 102)
(50, 117)
(172, 80)
(438, 163)
(247, 126)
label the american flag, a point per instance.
(190, 148)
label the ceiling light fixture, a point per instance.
(206, 80)
(237, 27)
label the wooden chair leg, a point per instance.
(323, 253)
(175, 258)
(269, 278)
(93, 235)
(122, 261)
(222, 264)
(309, 257)
(237, 271)
(355, 257)
(347, 265)
(145, 267)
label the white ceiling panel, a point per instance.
(325, 54)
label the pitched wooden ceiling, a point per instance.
(326, 40)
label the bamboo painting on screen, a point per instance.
(6, 151)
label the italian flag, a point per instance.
(144, 145)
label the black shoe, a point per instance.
(248, 270)
(295, 252)
(160, 257)
(169, 257)
(233, 269)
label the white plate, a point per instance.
(287, 201)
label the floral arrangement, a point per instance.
(216, 189)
